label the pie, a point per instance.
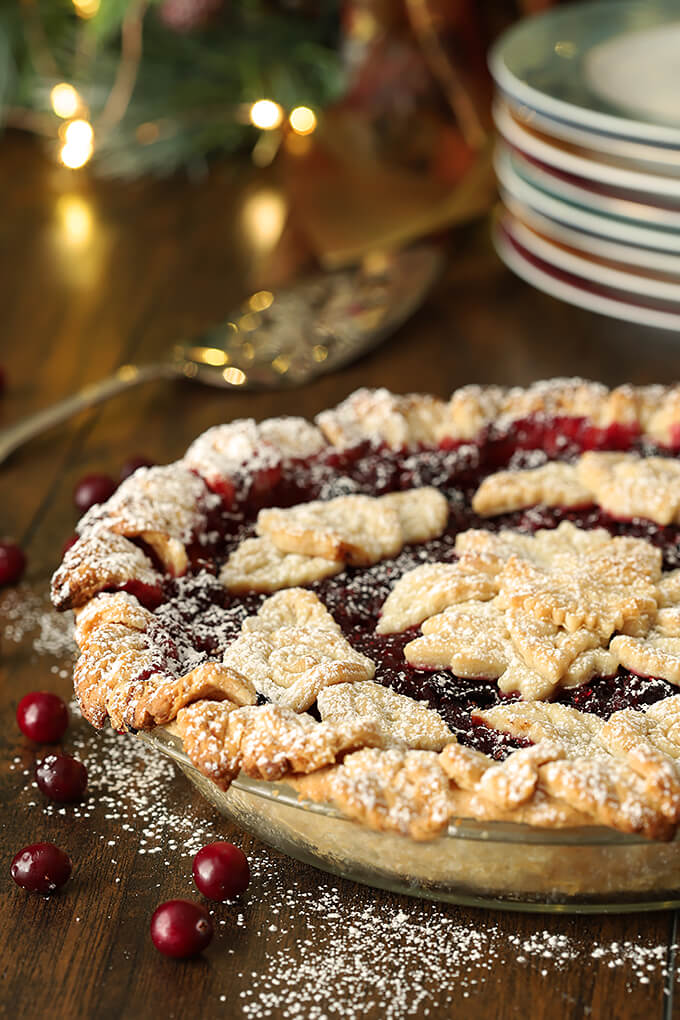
(419, 610)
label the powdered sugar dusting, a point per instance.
(400, 956)
(405, 957)
(25, 613)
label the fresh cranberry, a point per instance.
(221, 871)
(12, 563)
(41, 867)
(181, 928)
(131, 465)
(93, 489)
(42, 717)
(61, 777)
(3, 381)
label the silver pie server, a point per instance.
(276, 339)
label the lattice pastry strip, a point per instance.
(472, 640)
(654, 655)
(292, 649)
(626, 485)
(266, 741)
(258, 565)
(601, 591)
(358, 530)
(519, 678)
(400, 721)
(551, 484)
(429, 589)
(533, 658)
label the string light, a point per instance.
(86, 8)
(78, 144)
(65, 100)
(266, 115)
(80, 133)
(302, 120)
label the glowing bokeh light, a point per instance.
(79, 133)
(86, 8)
(78, 144)
(266, 114)
(302, 120)
(234, 376)
(65, 100)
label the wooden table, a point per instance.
(97, 274)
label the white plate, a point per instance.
(582, 219)
(596, 198)
(639, 71)
(643, 258)
(545, 62)
(654, 158)
(620, 278)
(573, 292)
(582, 165)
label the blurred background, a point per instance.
(168, 165)
(373, 112)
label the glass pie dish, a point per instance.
(483, 864)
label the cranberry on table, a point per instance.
(61, 777)
(181, 928)
(221, 871)
(42, 717)
(93, 489)
(12, 563)
(41, 867)
(131, 465)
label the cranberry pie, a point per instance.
(416, 609)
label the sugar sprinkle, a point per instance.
(345, 965)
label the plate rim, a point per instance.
(616, 250)
(607, 122)
(606, 227)
(588, 138)
(590, 200)
(592, 169)
(543, 281)
(618, 279)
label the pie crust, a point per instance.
(545, 565)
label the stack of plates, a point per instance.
(588, 158)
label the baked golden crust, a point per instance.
(539, 615)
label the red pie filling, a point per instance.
(199, 617)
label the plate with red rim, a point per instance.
(578, 218)
(576, 290)
(605, 273)
(654, 158)
(590, 244)
(582, 162)
(617, 202)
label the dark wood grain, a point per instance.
(161, 260)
